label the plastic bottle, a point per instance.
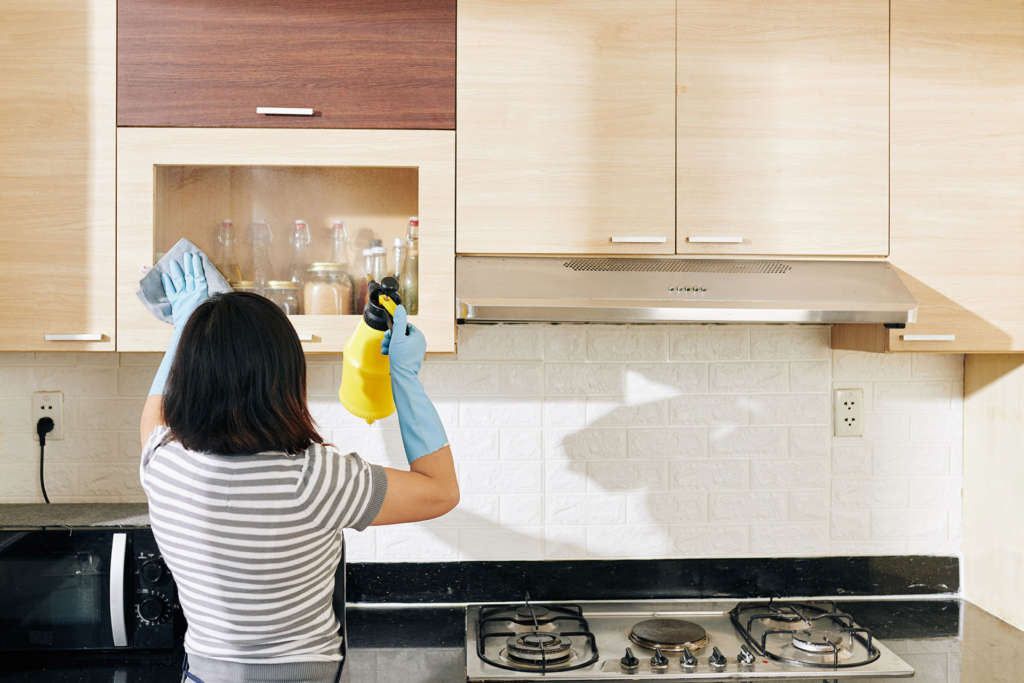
(227, 252)
(410, 282)
(365, 389)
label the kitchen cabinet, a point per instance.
(566, 123)
(352, 63)
(957, 172)
(783, 127)
(175, 182)
(57, 175)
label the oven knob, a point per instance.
(717, 660)
(629, 663)
(689, 662)
(152, 610)
(152, 571)
(745, 658)
(659, 662)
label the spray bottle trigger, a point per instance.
(390, 306)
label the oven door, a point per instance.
(62, 590)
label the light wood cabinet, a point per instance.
(565, 117)
(957, 177)
(783, 127)
(57, 175)
(183, 181)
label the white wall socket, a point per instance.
(849, 412)
(49, 404)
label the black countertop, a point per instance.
(946, 641)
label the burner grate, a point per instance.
(542, 658)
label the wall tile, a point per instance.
(795, 409)
(718, 540)
(525, 509)
(521, 444)
(753, 506)
(709, 410)
(808, 506)
(499, 413)
(938, 365)
(616, 413)
(499, 342)
(443, 378)
(685, 442)
(789, 539)
(788, 342)
(748, 377)
(582, 379)
(584, 510)
(869, 493)
(699, 475)
(855, 365)
(475, 444)
(789, 474)
(749, 442)
(626, 343)
(677, 378)
(672, 508)
(521, 379)
(894, 460)
(912, 395)
(501, 543)
(809, 376)
(564, 342)
(709, 342)
(809, 442)
(586, 444)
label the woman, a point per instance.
(246, 500)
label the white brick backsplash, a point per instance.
(521, 444)
(630, 343)
(748, 377)
(677, 442)
(583, 379)
(858, 366)
(749, 442)
(788, 342)
(709, 342)
(752, 506)
(585, 441)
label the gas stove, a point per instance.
(700, 640)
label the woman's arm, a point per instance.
(429, 489)
(185, 288)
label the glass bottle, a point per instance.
(261, 239)
(227, 251)
(399, 249)
(300, 242)
(410, 280)
(340, 243)
(363, 281)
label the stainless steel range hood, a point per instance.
(666, 290)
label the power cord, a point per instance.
(43, 427)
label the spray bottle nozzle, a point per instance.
(382, 300)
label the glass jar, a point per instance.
(328, 290)
(285, 294)
(244, 286)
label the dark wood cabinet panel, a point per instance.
(356, 63)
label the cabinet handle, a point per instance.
(712, 239)
(928, 337)
(285, 111)
(306, 337)
(74, 337)
(639, 239)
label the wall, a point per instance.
(993, 552)
(594, 441)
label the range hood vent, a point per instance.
(666, 290)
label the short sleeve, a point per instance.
(155, 440)
(362, 489)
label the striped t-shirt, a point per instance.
(253, 542)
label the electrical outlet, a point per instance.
(849, 413)
(49, 404)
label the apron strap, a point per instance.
(184, 671)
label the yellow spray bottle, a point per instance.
(366, 373)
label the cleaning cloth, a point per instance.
(151, 289)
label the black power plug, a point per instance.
(43, 427)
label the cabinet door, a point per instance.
(957, 174)
(57, 175)
(566, 126)
(355, 64)
(783, 127)
(183, 182)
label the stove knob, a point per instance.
(717, 661)
(745, 658)
(659, 662)
(151, 610)
(151, 571)
(688, 662)
(630, 664)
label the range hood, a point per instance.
(668, 290)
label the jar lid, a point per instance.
(326, 267)
(282, 284)
(235, 284)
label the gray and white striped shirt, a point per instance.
(253, 542)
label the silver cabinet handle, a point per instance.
(118, 552)
(74, 337)
(639, 239)
(285, 111)
(306, 337)
(928, 337)
(713, 239)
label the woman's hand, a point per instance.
(404, 345)
(185, 287)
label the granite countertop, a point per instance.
(946, 641)
(40, 516)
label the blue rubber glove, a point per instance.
(422, 431)
(186, 289)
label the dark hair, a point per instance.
(238, 382)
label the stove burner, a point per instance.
(820, 641)
(669, 635)
(527, 613)
(538, 648)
